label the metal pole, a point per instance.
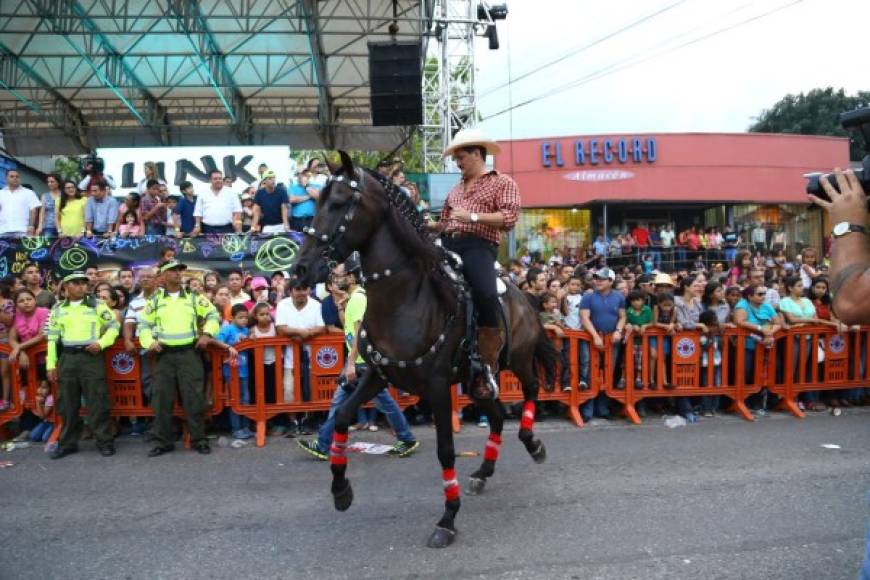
(606, 231)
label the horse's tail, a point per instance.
(546, 356)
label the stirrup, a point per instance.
(488, 381)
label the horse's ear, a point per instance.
(346, 162)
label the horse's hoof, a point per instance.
(441, 538)
(343, 498)
(539, 455)
(476, 485)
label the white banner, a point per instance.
(193, 164)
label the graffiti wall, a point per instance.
(221, 253)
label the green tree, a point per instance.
(67, 167)
(814, 113)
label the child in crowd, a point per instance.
(664, 317)
(172, 218)
(733, 295)
(571, 312)
(553, 321)
(45, 412)
(7, 314)
(26, 331)
(229, 335)
(130, 226)
(247, 209)
(264, 327)
(711, 344)
(639, 317)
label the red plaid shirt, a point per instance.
(492, 192)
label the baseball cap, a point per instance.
(268, 173)
(259, 282)
(172, 265)
(645, 279)
(605, 274)
(77, 275)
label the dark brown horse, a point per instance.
(414, 324)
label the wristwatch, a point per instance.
(475, 218)
(843, 228)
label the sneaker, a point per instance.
(242, 434)
(373, 427)
(278, 431)
(311, 447)
(483, 422)
(638, 384)
(620, 385)
(358, 427)
(404, 448)
(708, 414)
(583, 386)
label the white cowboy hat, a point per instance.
(469, 137)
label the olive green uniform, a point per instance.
(76, 325)
(173, 321)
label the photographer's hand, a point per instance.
(847, 205)
(850, 258)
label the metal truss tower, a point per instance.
(449, 99)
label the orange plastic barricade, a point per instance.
(16, 396)
(656, 365)
(326, 362)
(817, 358)
(511, 390)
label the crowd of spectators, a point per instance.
(95, 208)
(759, 290)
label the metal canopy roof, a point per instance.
(81, 74)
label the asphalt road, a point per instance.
(720, 499)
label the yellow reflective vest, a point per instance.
(77, 325)
(174, 320)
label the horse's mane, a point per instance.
(409, 227)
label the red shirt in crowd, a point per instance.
(693, 241)
(641, 236)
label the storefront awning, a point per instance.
(687, 168)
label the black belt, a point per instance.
(179, 348)
(74, 349)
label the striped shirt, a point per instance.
(490, 193)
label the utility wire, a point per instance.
(634, 60)
(580, 49)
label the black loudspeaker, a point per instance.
(396, 81)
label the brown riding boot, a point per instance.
(489, 343)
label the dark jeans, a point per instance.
(478, 256)
(225, 229)
(298, 224)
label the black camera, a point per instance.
(853, 121)
(92, 165)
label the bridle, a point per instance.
(331, 241)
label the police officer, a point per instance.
(169, 327)
(85, 326)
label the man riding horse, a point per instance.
(481, 206)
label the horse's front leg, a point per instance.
(445, 529)
(495, 413)
(367, 387)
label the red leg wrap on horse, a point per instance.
(528, 419)
(490, 453)
(338, 448)
(451, 485)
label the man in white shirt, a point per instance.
(219, 211)
(300, 318)
(19, 207)
(667, 236)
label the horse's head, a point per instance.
(346, 218)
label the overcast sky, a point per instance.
(716, 85)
